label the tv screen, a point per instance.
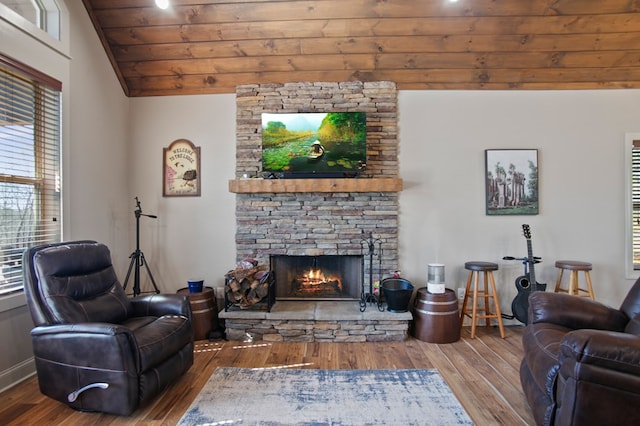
(309, 144)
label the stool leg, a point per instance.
(463, 312)
(497, 304)
(474, 311)
(487, 308)
(587, 275)
(559, 280)
(573, 283)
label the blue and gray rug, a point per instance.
(245, 396)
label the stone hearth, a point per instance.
(320, 321)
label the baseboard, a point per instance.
(17, 373)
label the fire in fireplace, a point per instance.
(328, 277)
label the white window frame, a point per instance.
(630, 272)
(45, 176)
(59, 44)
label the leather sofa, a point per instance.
(95, 348)
(581, 361)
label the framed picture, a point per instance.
(511, 181)
(181, 169)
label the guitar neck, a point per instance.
(531, 260)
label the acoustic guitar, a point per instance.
(526, 284)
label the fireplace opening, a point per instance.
(327, 277)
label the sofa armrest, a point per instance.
(574, 312)
(91, 345)
(608, 350)
(599, 377)
(161, 304)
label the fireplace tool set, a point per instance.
(369, 245)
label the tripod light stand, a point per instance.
(137, 257)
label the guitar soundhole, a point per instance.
(524, 283)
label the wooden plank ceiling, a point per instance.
(199, 46)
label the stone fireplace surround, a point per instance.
(300, 221)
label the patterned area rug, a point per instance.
(245, 396)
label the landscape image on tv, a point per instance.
(314, 142)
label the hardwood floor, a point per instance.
(482, 372)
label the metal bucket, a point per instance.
(397, 293)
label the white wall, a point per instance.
(580, 137)
(193, 237)
(443, 135)
(97, 152)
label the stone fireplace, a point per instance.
(301, 220)
(318, 218)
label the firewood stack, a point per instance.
(247, 284)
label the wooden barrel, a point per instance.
(204, 311)
(436, 317)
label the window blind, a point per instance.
(635, 199)
(30, 192)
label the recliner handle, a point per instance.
(74, 395)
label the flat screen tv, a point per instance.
(314, 144)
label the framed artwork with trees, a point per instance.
(511, 182)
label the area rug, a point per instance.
(241, 396)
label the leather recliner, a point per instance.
(581, 361)
(96, 349)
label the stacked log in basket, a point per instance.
(248, 284)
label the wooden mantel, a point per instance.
(254, 186)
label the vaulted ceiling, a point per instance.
(199, 46)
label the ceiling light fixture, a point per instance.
(162, 4)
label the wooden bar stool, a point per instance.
(487, 268)
(574, 266)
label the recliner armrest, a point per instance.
(92, 345)
(83, 327)
(574, 312)
(161, 304)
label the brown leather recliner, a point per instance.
(581, 361)
(96, 349)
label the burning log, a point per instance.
(315, 283)
(324, 288)
(247, 284)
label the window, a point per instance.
(45, 14)
(632, 156)
(30, 204)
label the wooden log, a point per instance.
(262, 290)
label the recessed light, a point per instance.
(162, 4)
